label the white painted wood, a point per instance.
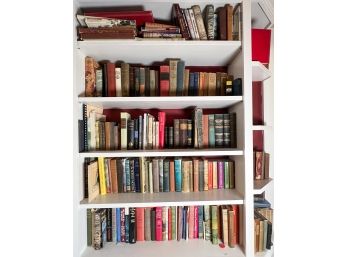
(261, 127)
(169, 102)
(261, 185)
(194, 53)
(260, 72)
(267, 253)
(217, 196)
(173, 248)
(163, 152)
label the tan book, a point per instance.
(206, 174)
(124, 120)
(118, 82)
(186, 81)
(211, 84)
(260, 246)
(195, 175)
(215, 178)
(224, 215)
(173, 66)
(150, 176)
(206, 83)
(231, 227)
(150, 131)
(125, 79)
(171, 176)
(201, 84)
(107, 135)
(185, 176)
(152, 83)
(256, 234)
(90, 79)
(229, 17)
(113, 173)
(199, 21)
(116, 137)
(191, 175)
(205, 130)
(142, 166)
(93, 181)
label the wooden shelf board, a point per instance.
(164, 153)
(260, 185)
(194, 53)
(173, 248)
(260, 72)
(212, 197)
(167, 102)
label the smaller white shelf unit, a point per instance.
(261, 185)
(260, 72)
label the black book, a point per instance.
(227, 131)
(132, 175)
(189, 133)
(136, 134)
(153, 225)
(147, 81)
(81, 135)
(85, 127)
(269, 236)
(131, 82)
(127, 223)
(102, 145)
(130, 134)
(219, 130)
(140, 133)
(233, 128)
(237, 88)
(170, 137)
(166, 137)
(137, 175)
(166, 164)
(109, 225)
(85, 177)
(201, 175)
(132, 235)
(120, 169)
(184, 215)
(136, 81)
(105, 79)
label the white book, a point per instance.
(118, 82)
(150, 182)
(124, 120)
(145, 131)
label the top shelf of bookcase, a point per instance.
(194, 53)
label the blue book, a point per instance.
(200, 221)
(262, 204)
(180, 70)
(137, 175)
(191, 84)
(196, 84)
(128, 178)
(127, 227)
(166, 175)
(177, 169)
(184, 227)
(118, 225)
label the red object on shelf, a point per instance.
(258, 140)
(260, 44)
(257, 103)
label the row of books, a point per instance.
(160, 30)
(130, 225)
(154, 175)
(261, 165)
(263, 220)
(224, 23)
(145, 132)
(108, 79)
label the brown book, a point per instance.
(173, 64)
(186, 175)
(90, 79)
(147, 224)
(206, 83)
(211, 84)
(152, 83)
(171, 176)
(230, 227)
(180, 21)
(218, 83)
(201, 84)
(256, 233)
(113, 171)
(125, 79)
(176, 133)
(110, 69)
(107, 35)
(205, 131)
(107, 135)
(223, 78)
(229, 17)
(183, 133)
(186, 81)
(155, 177)
(266, 166)
(199, 21)
(258, 164)
(222, 17)
(116, 137)
(142, 81)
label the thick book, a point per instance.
(189, 133)
(162, 122)
(205, 131)
(191, 222)
(198, 128)
(226, 130)
(155, 172)
(174, 221)
(227, 174)
(214, 224)
(221, 172)
(219, 130)
(259, 164)
(211, 128)
(199, 21)
(89, 227)
(158, 223)
(171, 176)
(229, 21)
(123, 224)
(185, 176)
(173, 66)
(164, 80)
(127, 176)
(160, 172)
(166, 168)
(201, 175)
(176, 133)
(195, 175)
(147, 226)
(170, 137)
(140, 223)
(178, 179)
(130, 134)
(90, 79)
(93, 181)
(153, 224)
(137, 175)
(125, 79)
(222, 13)
(180, 78)
(102, 181)
(110, 68)
(209, 21)
(207, 220)
(120, 177)
(231, 228)
(211, 84)
(179, 20)
(183, 133)
(200, 222)
(164, 223)
(132, 175)
(124, 121)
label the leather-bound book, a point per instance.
(222, 13)
(110, 68)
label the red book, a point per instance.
(235, 237)
(164, 80)
(110, 68)
(191, 222)
(169, 223)
(162, 123)
(158, 223)
(196, 224)
(210, 175)
(260, 44)
(140, 223)
(140, 17)
(171, 176)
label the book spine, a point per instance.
(143, 177)
(162, 122)
(142, 81)
(109, 225)
(140, 223)
(147, 81)
(230, 228)
(194, 23)
(150, 178)
(130, 134)
(132, 226)
(155, 169)
(214, 224)
(147, 217)
(140, 132)
(232, 173)
(220, 166)
(173, 210)
(166, 168)
(186, 82)
(89, 227)
(164, 80)
(170, 137)
(200, 222)
(224, 225)
(209, 21)
(176, 133)
(210, 175)
(233, 128)
(135, 91)
(177, 168)
(205, 131)
(153, 224)
(99, 82)
(201, 175)
(189, 133)
(236, 226)
(184, 222)
(152, 83)
(211, 125)
(169, 236)
(189, 23)
(222, 24)
(190, 167)
(97, 237)
(191, 84)
(118, 81)
(124, 121)
(226, 130)
(118, 225)
(137, 187)
(227, 175)
(136, 134)
(185, 177)
(105, 80)
(160, 171)
(164, 223)
(90, 80)
(207, 221)
(107, 175)
(173, 66)
(111, 79)
(180, 21)
(132, 175)
(123, 224)
(196, 175)
(158, 223)
(219, 130)
(101, 170)
(127, 176)
(126, 222)
(229, 21)
(205, 175)
(191, 221)
(258, 165)
(85, 178)
(171, 176)
(196, 84)
(215, 175)
(182, 133)
(199, 21)
(180, 78)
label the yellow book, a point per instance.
(102, 176)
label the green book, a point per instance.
(173, 210)
(214, 224)
(211, 126)
(231, 173)
(227, 175)
(207, 222)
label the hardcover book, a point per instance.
(93, 181)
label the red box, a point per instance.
(261, 43)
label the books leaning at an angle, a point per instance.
(97, 22)
(93, 181)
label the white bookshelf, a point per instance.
(260, 72)
(261, 185)
(236, 56)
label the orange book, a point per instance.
(171, 176)
(205, 131)
(206, 83)
(140, 223)
(210, 175)
(235, 237)
(195, 175)
(191, 222)
(113, 171)
(215, 179)
(201, 84)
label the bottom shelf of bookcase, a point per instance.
(267, 253)
(183, 248)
